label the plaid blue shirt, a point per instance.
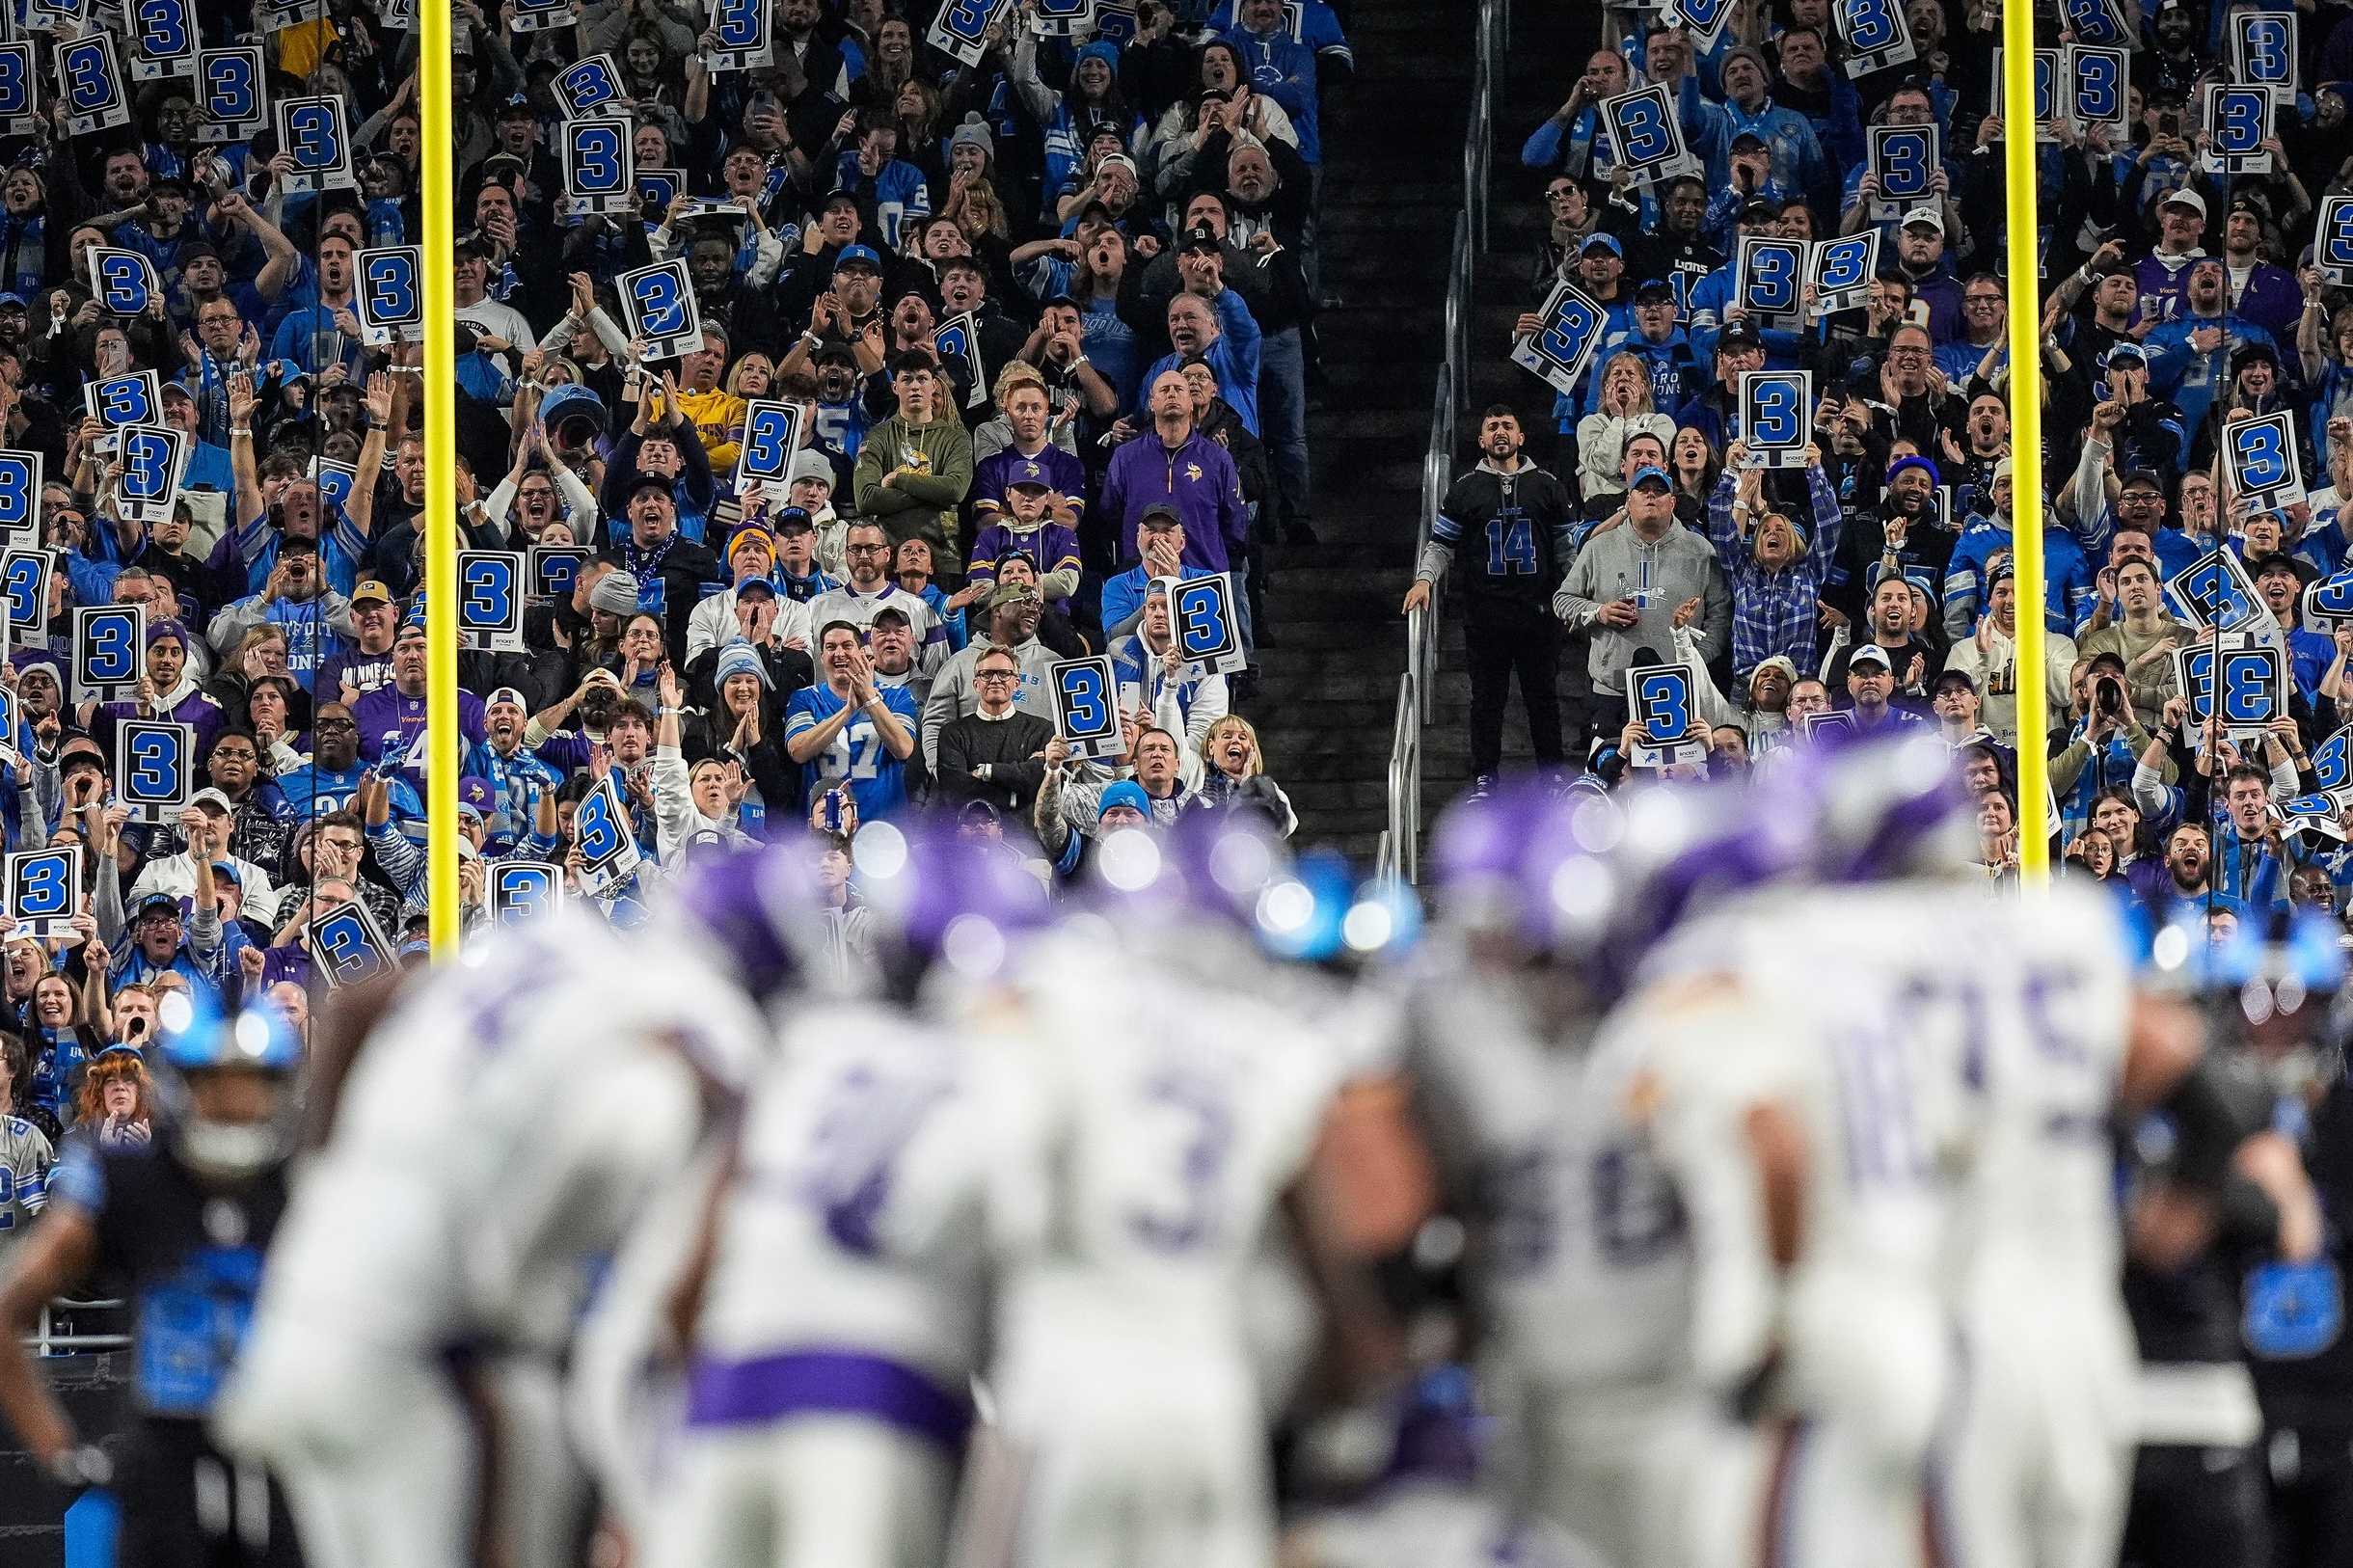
(1775, 613)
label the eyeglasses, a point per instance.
(867, 550)
(1907, 353)
(993, 675)
(325, 724)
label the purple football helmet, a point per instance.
(942, 898)
(1478, 852)
(1683, 850)
(757, 910)
(1875, 809)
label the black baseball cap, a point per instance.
(1654, 293)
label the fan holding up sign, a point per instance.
(1659, 697)
(1556, 341)
(1647, 131)
(2260, 462)
(1904, 160)
(122, 281)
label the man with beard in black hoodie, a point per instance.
(1504, 533)
(1902, 531)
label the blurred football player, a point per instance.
(1581, 1266)
(184, 1221)
(1146, 1131)
(500, 1125)
(839, 1314)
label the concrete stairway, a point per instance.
(1393, 149)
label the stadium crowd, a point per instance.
(1871, 580)
(1115, 229)
(1040, 306)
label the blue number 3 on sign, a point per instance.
(1643, 133)
(659, 305)
(123, 283)
(524, 892)
(391, 288)
(1085, 701)
(1570, 333)
(111, 656)
(1778, 419)
(344, 948)
(42, 890)
(2262, 456)
(2239, 128)
(156, 761)
(1202, 629)
(765, 435)
(1665, 699)
(490, 594)
(599, 836)
(24, 576)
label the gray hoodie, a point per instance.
(952, 695)
(1619, 565)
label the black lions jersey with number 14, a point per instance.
(1510, 535)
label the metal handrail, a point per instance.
(1398, 844)
(1399, 852)
(44, 1342)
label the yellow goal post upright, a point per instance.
(438, 130)
(2020, 172)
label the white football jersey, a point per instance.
(1824, 1001)
(1144, 1128)
(502, 1128)
(1589, 1271)
(2043, 1009)
(852, 1220)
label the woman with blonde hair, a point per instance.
(1624, 412)
(117, 1102)
(1230, 770)
(751, 376)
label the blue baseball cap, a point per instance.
(1607, 241)
(851, 254)
(1649, 470)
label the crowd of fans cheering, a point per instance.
(1126, 214)
(1875, 580)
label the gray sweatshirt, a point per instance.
(1620, 565)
